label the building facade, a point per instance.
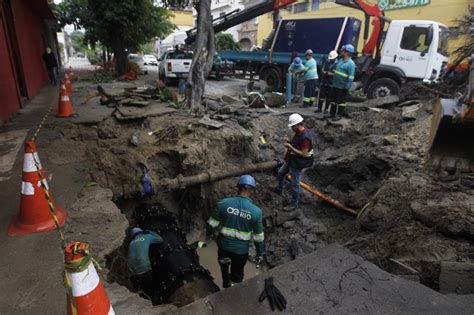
(27, 27)
(443, 11)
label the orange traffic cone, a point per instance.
(71, 74)
(67, 81)
(35, 215)
(65, 107)
(88, 294)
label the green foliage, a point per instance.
(93, 55)
(77, 41)
(147, 49)
(120, 24)
(225, 41)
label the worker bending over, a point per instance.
(296, 70)
(344, 72)
(310, 77)
(299, 155)
(139, 259)
(236, 219)
(326, 80)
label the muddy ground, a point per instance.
(374, 161)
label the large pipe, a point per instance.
(181, 182)
(325, 198)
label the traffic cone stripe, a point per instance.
(29, 163)
(84, 282)
(27, 189)
(65, 98)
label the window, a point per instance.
(444, 35)
(301, 7)
(414, 38)
(315, 5)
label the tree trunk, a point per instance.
(121, 64)
(203, 58)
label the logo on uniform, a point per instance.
(240, 213)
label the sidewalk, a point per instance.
(32, 265)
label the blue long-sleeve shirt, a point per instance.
(238, 221)
(344, 74)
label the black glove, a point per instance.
(274, 295)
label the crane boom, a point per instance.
(378, 20)
(237, 17)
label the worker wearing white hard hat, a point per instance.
(299, 155)
(327, 72)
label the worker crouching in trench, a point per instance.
(176, 277)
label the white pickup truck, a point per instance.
(174, 64)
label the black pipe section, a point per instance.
(178, 276)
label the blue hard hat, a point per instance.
(135, 231)
(247, 180)
(349, 48)
(297, 61)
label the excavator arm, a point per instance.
(378, 20)
(237, 17)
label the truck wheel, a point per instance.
(272, 79)
(383, 87)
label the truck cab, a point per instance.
(412, 50)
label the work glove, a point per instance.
(274, 295)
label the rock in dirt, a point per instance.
(456, 278)
(229, 99)
(410, 112)
(210, 123)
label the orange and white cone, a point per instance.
(86, 294)
(67, 81)
(35, 215)
(71, 74)
(65, 107)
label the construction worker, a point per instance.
(326, 80)
(236, 219)
(344, 72)
(296, 70)
(52, 65)
(139, 260)
(299, 155)
(310, 78)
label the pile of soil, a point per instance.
(374, 161)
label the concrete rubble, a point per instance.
(332, 280)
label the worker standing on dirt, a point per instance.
(341, 82)
(310, 78)
(139, 259)
(326, 79)
(296, 70)
(237, 218)
(299, 155)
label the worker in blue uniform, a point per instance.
(139, 260)
(238, 221)
(341, 82)
(310, 79)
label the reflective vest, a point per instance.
(239, 221)
(343, 74)
(295, 160)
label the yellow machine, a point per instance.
(451, 146)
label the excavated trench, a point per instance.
(352, 165)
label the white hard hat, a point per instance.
(309, 52)
(332, 55)
(294, 120)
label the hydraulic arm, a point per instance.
(237, 17)
(378, 20)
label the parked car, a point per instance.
(174, 65)
(139, 61)
(150, 60)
